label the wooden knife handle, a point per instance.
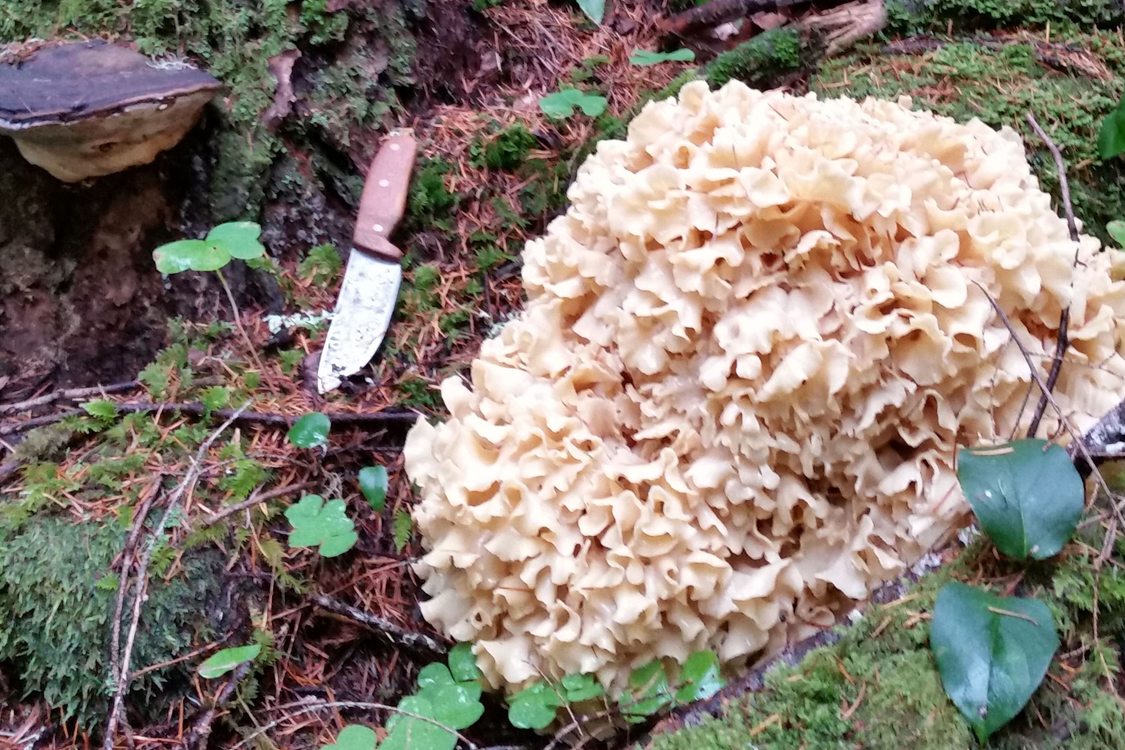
(384, 194)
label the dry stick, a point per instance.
(1063, 340)
(719, 12)
(68, 394)
(308, 708)
(200, 730)
(363, 419)
(121, 680)
(395, 634)
(238, 322)
(1074, 436)
(255, 499)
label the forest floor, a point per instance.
(85, 486)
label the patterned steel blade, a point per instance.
(363, 315)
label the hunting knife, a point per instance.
(371, 281)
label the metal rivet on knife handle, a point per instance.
(384, 199)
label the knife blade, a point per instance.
(374, 273)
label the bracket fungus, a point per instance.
(731, 406)
(87, 109)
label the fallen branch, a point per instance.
(396, 635)
(1063, 340)
(363, 419)
(718, 12)
(256, 498)
(122, 676)
(68, 394)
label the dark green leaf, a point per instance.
(643, 57)
(700, 677)
(594, 9)
(1027, 495)
(649, 692)
(228, 660)
(354, 737)
(562, 104)
(534, 707)
(310, 431)
(992, 652)
(319, 524)
(1111, 138)
(373, 485)
(456, 706)
(463, 663)
(239, 239)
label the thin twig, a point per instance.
(1076, 439)
(1063, 341)
(121, 679)
(31, 424)
(250, 348)
(68, 394)
(200, 730)
(296, 709)
(256, 498)
(395, 634)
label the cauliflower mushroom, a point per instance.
(87, 109)
(731, 405)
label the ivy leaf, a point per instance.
(408, 733)
(534, 707)
(1111, 138)
(227, 660)
(354, 737)
(310, 431)
(1027, 495)
(239, 239)
(101, 409)
(189, 255)
(561, 104)
(700, 677)
(594, 9)
(463, 663)
(319, 524)
(373, 485)
(644, 58)
(992, 652)
(1116, 230)
(580, 687)
(403, 527)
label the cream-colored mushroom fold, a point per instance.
(732, 403)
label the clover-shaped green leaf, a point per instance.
(463, 663)
(534, 707)
(373, 485)
(643, 57)
(409, 733)
(699, 677)
(594, 9)
(189, 255)
(561, 104)
(354, 737)
(580, 687)
(228, 660)
(311, 430)
(239, 239)
(319, 524)
(1111, 137)
(649, 692)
